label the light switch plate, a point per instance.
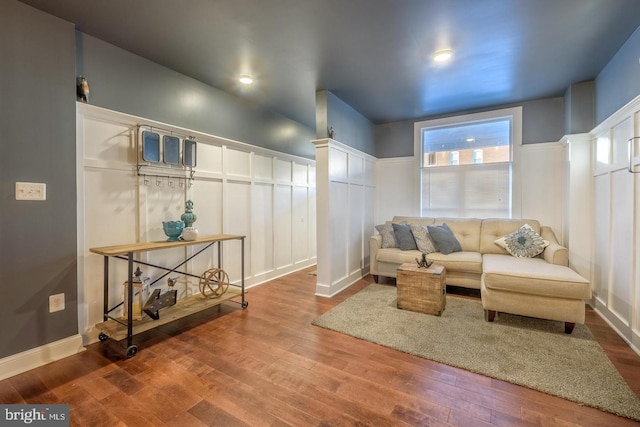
(31, 191)
(56, 303)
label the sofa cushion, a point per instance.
(466, 262)
(404, 238)
(388, 236)
(443, 239)
(423, 241)
(523, 242)
(533, 276)
(467, 231)
(397, 256)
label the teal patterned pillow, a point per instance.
(523, 243)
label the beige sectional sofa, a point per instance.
(543, 286)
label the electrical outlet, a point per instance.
(56, 303)
(31, 191)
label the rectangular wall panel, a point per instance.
(355, 249)
(300, 224)
(262, 167)
(283, 170)
(620, 294)
(110, 219)
(207, 198)
(356, 169)
(238, 163)
(300, 174)
(602, 249)
(313, 250)
(338, 165)
(338, 224)
(237, 220)
(109, 142)
(284, 216)
(262, 244)
(209, 158)
(369, 221)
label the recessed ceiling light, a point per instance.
(442, 55)
(245, 79)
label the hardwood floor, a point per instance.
(268, 366)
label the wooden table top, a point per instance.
(152, 246)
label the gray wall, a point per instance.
(542, 121)
(351, 127)
(619, 81)
(579, 108)
(37, 118)
(122, 81)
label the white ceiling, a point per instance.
(373, 54)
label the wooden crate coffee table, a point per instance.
(421, 289)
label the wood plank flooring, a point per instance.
(268, 366)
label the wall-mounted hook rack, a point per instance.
(165, 157)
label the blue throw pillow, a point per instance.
(443, 239)
(404, 237)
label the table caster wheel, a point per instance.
(132, 350)
(245, 304)
(103, 336)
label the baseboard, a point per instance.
(630, 342)
(39, 356)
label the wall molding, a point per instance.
(628, 110)
(39, 356)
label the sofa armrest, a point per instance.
(375, 243)
(555, 253)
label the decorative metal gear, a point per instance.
(213, 283)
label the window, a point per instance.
(466, 164)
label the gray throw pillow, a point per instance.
(404, 238)
(388, 237)
(423, 241)
(443, 239)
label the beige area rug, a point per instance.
(520, 350)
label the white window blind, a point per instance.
(471, 191)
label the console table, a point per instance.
(117, 329)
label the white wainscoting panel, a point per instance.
(300, 174)
(620, 292)
(234, 192)
(398, 188)
(356, 227)
(602, 236)
(262, 255)
(263, 167)
(237, 163)
(283, 171)
(616, 279)
(300, 222)
(345, 203)
(283, 230)
(209, 159)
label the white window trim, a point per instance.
(516, 138)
